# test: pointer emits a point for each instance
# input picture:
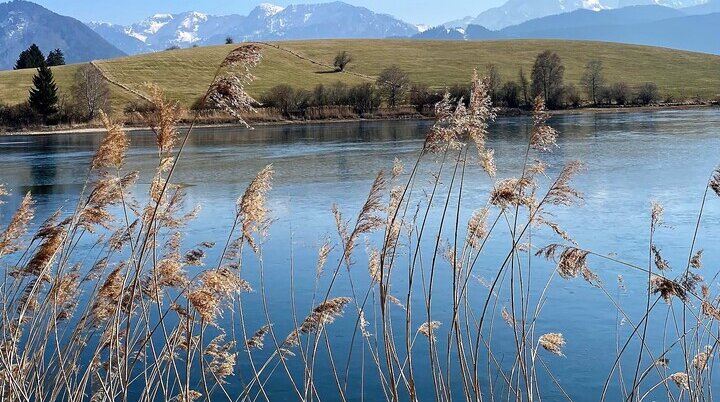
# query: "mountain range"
(336, 20)
(642, 25)
(515, 12)
(23, 23)
(681, 24)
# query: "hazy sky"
(127, 11)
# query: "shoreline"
(85, 129)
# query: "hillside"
(23, 23)
(184, 74)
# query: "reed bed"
(105, 301)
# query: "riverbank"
(507, 113)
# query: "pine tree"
(32, 57)
(56, 58)
(43, 95)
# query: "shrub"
(620, 93)
(364, 98)
(421, 96)
(510, 94)
(342, 59)
(648, 93)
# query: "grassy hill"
(185, 74)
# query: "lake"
(631, 159)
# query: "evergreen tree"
(32, 57)
(56, 58)
(43, 95)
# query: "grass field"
(184, 74)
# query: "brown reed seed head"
(710, 310)
(661, 263)
(700, 360)
(228, 91)
(252, 208)
(456, 124)
(114, 145)
(223, 360)
(163, 120)
(428, 328)
(561, 192)
(45, 254)
(553, 343)
(542, 136)
(681, 380)
(325, 313)
(656, 213)
(206, 303)
(513, 192)
(662, 362)
(667, 288)
(323, 255)
(696, 260)
(715, 181)
(256, 341)
(18, 226)
(477, 228)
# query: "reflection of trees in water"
(43, 166)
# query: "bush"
(364, 98)
(421, 96)
(288, 100)
(620, 93)
(18, 116)
(572, 97)
(510, 94)
(647, 94)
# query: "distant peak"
(270, 9)
(162, 17)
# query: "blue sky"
(126, 11)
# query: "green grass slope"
(184, 74)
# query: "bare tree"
(547, 78)
(593, 79)
(494, 81)
(393, 83)
(524, 87)
(342, 59)
(91, 91)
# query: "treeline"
(394, 88)
(88, 94)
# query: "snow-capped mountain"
(265, 22)
(666, 3)
(23, 23)
(515, 12)
(518, 11)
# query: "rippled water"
(631, 159)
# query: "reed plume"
(542, 136)
(252, 206)
(322, 315)
(17, 227)
(553, 343)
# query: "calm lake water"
(631, 159)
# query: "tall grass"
(103, 302)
